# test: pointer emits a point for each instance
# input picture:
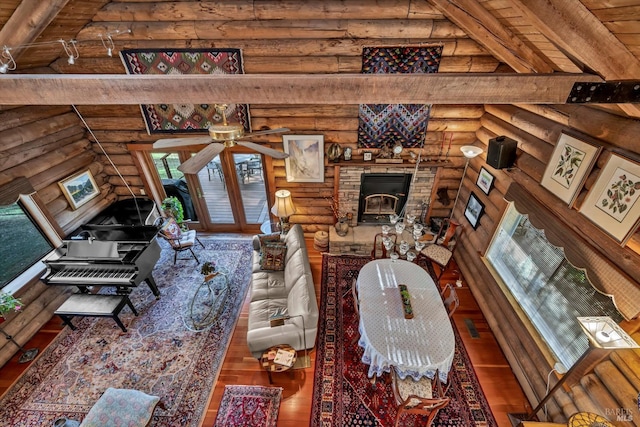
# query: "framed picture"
(79, 188)
(306, 158)
(568, 167)
(474, 210)
(367, 156)
(612, 203)
(485, 180)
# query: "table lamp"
(283, 208)
(469, 152)
(604, 334)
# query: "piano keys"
(118, 248)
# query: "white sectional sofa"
(290, 291)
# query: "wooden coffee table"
(268, 363)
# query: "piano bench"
(94, 305)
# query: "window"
(23, 243)
(548, 289)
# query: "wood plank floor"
(239, 367)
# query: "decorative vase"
(342, 227)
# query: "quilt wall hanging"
(383, 124)
(169, 118)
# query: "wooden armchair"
(441, 251)
(424, 397)
(178, 239)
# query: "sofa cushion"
(273, 256)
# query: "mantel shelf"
(362, 163)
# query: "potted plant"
(172, 207)
(208, 269)
(406, 301)
(9, 303)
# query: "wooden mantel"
(438, 88)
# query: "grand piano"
(118, 247)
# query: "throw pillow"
(171, 229)
(273, 255)
(121, 408)
(269, 238)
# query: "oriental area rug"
(249, 406)
(342, 392)
(383, 124)
(160, 354)
(168, 118)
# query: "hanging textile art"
(170, 118)
(384, 124)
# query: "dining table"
(416, 347)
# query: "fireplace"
(382, 194)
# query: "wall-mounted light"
(107, 40)
(7, 63)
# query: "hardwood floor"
(239, 367)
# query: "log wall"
(45, 145)
(612, 387)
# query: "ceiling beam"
(27, 22)
(437, 88)
(485, 29)
(571, 26)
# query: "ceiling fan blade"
(264, 150)
(181, 142)
(200, 159)
(266, 132)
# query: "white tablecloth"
(416, 347)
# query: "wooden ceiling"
(558, 39)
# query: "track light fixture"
(7, 63)
(71, 49)
(107, 40)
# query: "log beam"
(99, 89)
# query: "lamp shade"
(283, 207)
(470, 151)
(603, 332)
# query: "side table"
(267, 360)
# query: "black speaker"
(502, 152)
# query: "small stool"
(94, 305)
(321, 241)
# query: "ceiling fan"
(220, 137)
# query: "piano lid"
(92, 249)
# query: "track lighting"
(71, 49)
(7, 63)
(108, 44)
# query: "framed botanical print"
(474, 210)
(485, 180)
(612, 203)
(79, 189)
(570, 163)
(306, 158)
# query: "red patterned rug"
(342, 393)
(160, 354)
(249, 406)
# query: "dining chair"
(356, 308)
(379, 251)
(423, 397)
(441, 251)
(450, 298)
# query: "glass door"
(233, 192)
(229, 194)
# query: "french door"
(229, 194)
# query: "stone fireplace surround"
(359, 240)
